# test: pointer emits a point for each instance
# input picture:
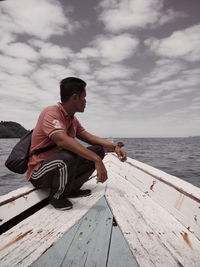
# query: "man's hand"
(101, 171)
(121, 153)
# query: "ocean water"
(177, 156)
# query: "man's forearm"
(66, 142)
(72, 145)
(92, 139)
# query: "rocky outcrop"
(10, 129)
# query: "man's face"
(81, 102)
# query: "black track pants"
(64, 172)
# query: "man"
(68, 165)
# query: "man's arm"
(92, 139)
(64, 141)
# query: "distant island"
(10, 129)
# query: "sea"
(177, 156)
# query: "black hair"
(70, 86)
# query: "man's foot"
(61, 204)
(80, 193)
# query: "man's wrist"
(97, 159)
(115, 146)
(118, 145)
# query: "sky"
(139, 58)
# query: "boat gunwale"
(16, 197)
(173, 185)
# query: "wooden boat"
(140, 217)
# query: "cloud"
(80, 66)
(183, 81)
(16, 65)
(6, 38)
(170, 85)
(26, 95)
(20, 50)
(41, 20)
(163, 70)
(181, 44)
(52, 51)
(114, 72)
(88, 52)
(118, 16)
(195, 71)
(58, 71)
(48, 76)
(45, 79)
(170, 15)
(21, 99)
(17, 87)
(109, 49)
(115, 48)
(33, 60)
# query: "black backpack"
(19, 156)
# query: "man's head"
(73, 89)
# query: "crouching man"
(68, 164)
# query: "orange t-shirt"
(52, 119)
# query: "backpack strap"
(41, 150)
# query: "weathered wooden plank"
(175, 199)
(155, 237)
(25, 242)
(163, 176)
(17, 201)
(15, 193)
(55, 255)
(20, 200)
(120, 253)
(89, 241)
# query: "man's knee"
(70, 158)
(98, 149)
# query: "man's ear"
(74, 97)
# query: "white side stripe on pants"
(62, 174)
(47, 167)
(63, 181)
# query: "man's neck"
(67, 107)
